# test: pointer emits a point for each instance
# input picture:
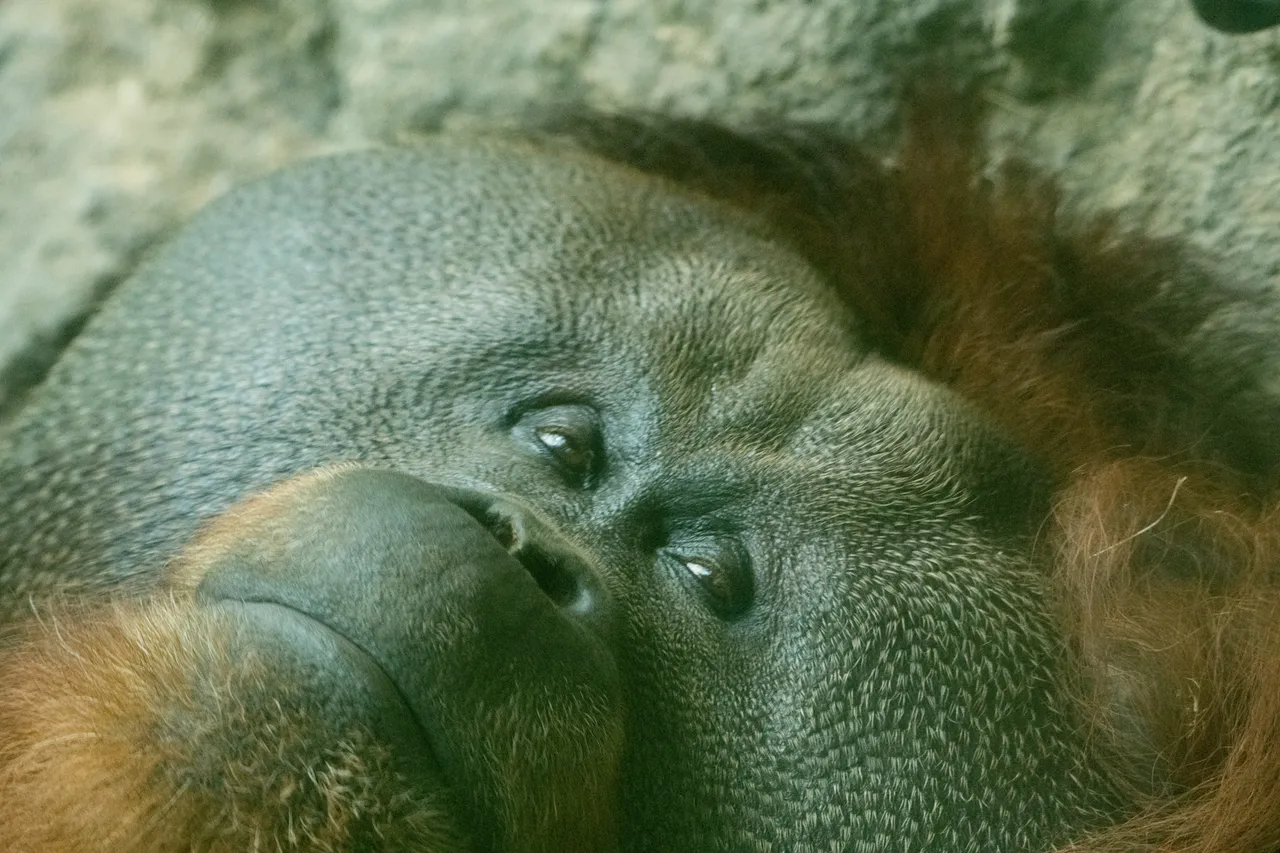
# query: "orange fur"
(102, 710)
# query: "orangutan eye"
(724, 582)
(570, 453)
(570, 437)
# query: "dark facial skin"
(649, 523)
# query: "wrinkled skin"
(643, 548)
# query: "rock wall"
(118, 118)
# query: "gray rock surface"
(118, 118)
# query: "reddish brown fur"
(115, 679)
(1162, 547)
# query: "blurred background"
(118, 118)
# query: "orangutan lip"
(312, 639)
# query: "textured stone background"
(119, 117)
